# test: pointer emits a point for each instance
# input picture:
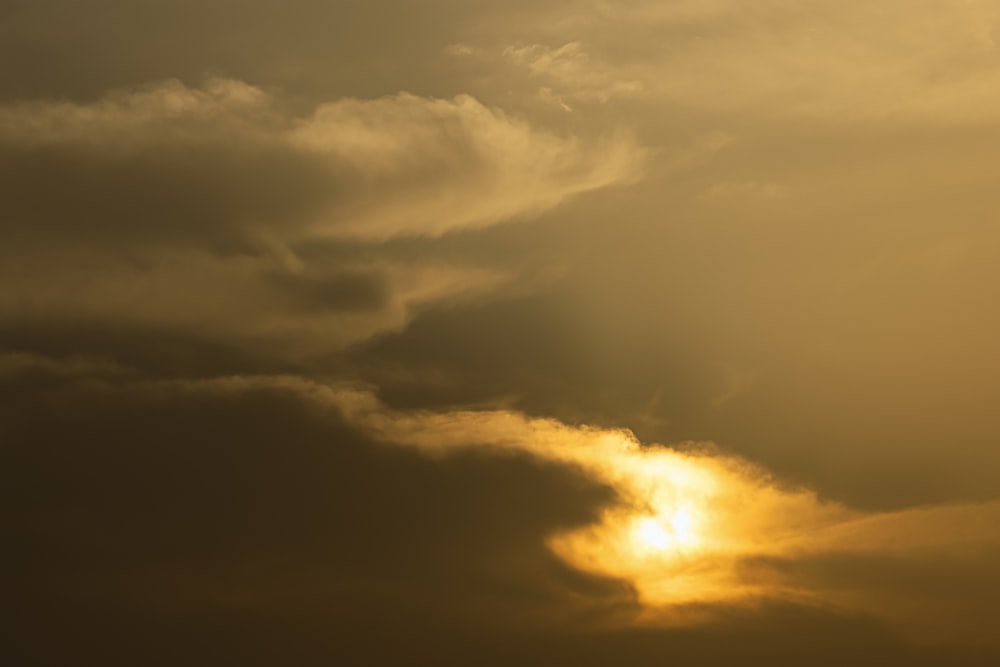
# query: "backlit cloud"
(693, 528)
(227, 158)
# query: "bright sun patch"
(651, 536)
(690, 528)
(659, 533)
(686, 521)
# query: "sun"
(652, 536)
(671, 530)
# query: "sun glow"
(651, 535)
(686, 522)
(690, 526)
(672, 531)
(689, 529)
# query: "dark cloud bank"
(155, 522)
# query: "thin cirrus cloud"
(820, 61)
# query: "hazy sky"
(564, 332)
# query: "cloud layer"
(197, 204)
(171, 160)
(671, 536)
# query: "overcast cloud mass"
(565, 332)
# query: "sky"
(563, 332)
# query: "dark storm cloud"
(236, 522)
(172, 501)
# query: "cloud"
(157, 508)
(826, 60)
(171, 161)
(693, 530)
(691, 523)
(455, 164)
(689, 516)
(569, 70)
(166, 164)
(200, 205)
(298, 311)
(172, 502)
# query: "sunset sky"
(455, 332)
